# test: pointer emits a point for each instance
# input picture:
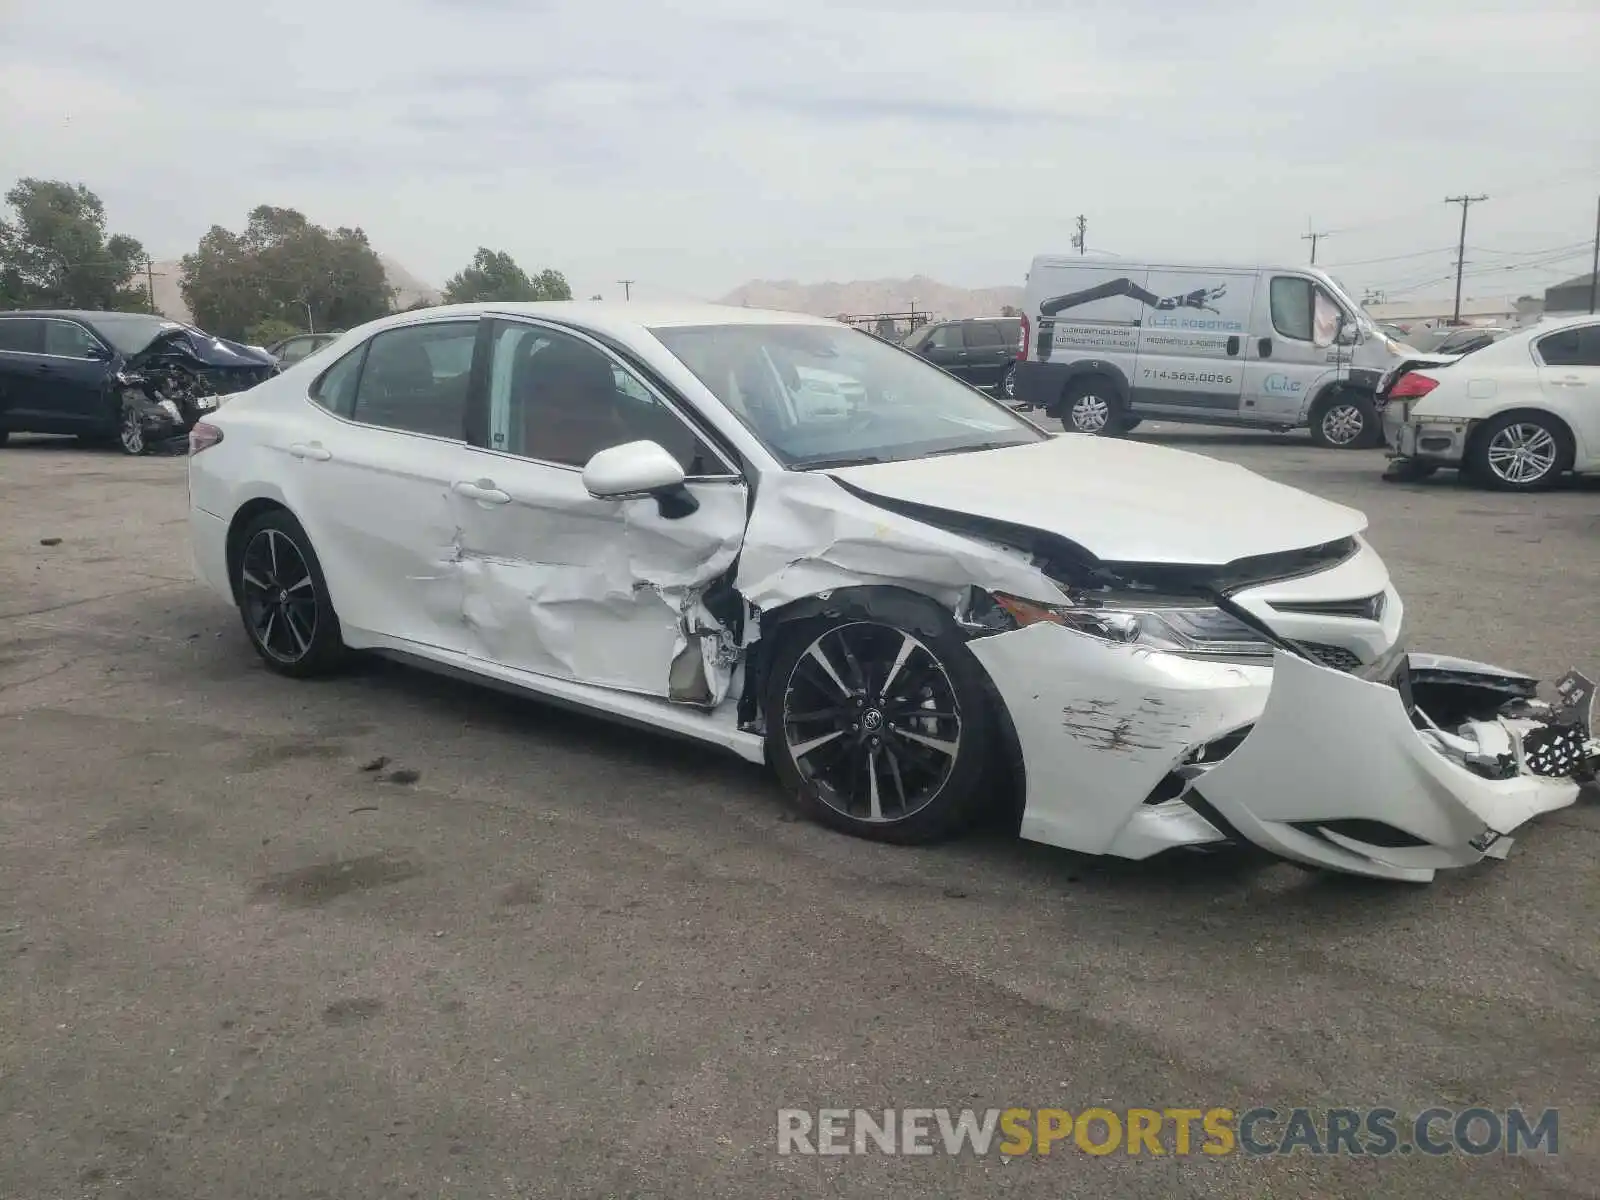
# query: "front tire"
(878, 721)
(1520, 452)
(1346, 420)
(130, 432)
(1092, 406)
(283, 598)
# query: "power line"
(1466, 202)
(1365, 262)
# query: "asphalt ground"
(534, 954)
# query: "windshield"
(816, 395)
(130, 333)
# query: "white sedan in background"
(910, 601)
(1517, 414)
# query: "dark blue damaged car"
(133, 379)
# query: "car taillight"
(1411, 385)
(203, 436)
(1022, 350)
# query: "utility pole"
(150, 281)
(627, 288)
(1466, 202)
(1313, 238)
(1078, 238)
(1594, 273)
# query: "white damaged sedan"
(907, 599)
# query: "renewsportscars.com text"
(1178, 1132)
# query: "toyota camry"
(908, 600)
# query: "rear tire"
(283, 599)
(1007, 387)
(1092, 406)
(878, 721)
(1346, 420)
(1520, 452)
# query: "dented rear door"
(604, 592)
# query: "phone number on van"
(1186, 376)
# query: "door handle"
(1233, 345)
(312, 450)
(1264, 348)
(484, 491)
(1569, 381)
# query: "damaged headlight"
(1182, 628)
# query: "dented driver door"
(611, 593)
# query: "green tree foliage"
(493, 275)
(55, 252)
(283, 268)
(264, 333)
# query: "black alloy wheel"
(879, 730)
(283, 598)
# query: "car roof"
(621, 318)
(81, 314)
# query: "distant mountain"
(169, 293)
(875, 296)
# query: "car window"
(559, 399)
(985, 335)
(1291, 299)
(22, 335)
(821, 394)
(296, 348)
(946, 337)
(69, 339)
(335, 388)
(415, 379)
(1578, 347)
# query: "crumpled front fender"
(1336, 774)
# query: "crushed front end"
(1302, 727)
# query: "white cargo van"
(1109, 342)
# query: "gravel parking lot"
(391, 936)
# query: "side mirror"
(636, 469)
(98, 352)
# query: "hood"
(1121, 501)
(205, 349)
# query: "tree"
(494, 275)
(56, 254)
(282, 268)
(264, 333)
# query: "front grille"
(1336, 657)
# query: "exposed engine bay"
(180, 376)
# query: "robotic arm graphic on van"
(1200, 298)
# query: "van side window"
(1291, 306)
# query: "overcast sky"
(692, 146)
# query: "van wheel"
(1092, 406)
(1346, 420)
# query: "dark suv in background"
(980, 350)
